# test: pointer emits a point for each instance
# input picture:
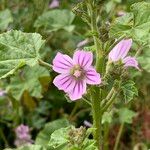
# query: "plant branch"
(87, 101)
(110, 102)
(41, 62)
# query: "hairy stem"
(110, 102)
(96, 112)
(96, 94)
(106, 135)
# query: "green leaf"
(17, 49)
(144, 59)
(89, 144)
(107, 117)
(54, 20)
(135, 24)
(5, 19)
(44, 136)
(59, 138)
(126, 115)
(129, 90)
(28, 80)
(71, 138)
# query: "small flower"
(23, 136)
(54, 4)
(75, 73)
(82, 43)
(87, 123)
(120, 51)
(2, 92)
(121, 13)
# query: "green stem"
(87, 101)
(106, 134)
(97, 117)
(41, 62)
(74, 110)
(108, 97)
(97, 42)
(96, 94)
(118, 136)
(110, 102)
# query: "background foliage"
(31, 31)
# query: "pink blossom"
(83, 43)
(54, 4)
(87, 123)
(2, 92)
(22, 135)
(121, 13)
(120, 51)
(75, 73)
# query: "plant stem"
(108, 97)
(73, 110)
(118, 136)
(87, 101)
(96, 94)
(97, 117)
(41, 62)
(110, 102)
(97, 42)
(106, 134)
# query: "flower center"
(77, 72)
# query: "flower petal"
(64, 82)
(83, 58)
(78, 90)
(54, 4)
(92, 77)
(120, 50)
(130, 62)
(62, 63)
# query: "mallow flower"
(120, 51)
(75, 73)
(2, 92)
(82, 43)
(23, 136)
(54, 4)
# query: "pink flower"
(121, 13)
(75, 73)
(23, 136)
(2, 92)
(54, 4)
(83, 43)
(120, 51)
(22, 131)
(87, 123)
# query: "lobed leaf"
(54, 20)
(126, 115)
(135, 24)
(17, 49)
(44, 136)
(129, 91)
(28, 80)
